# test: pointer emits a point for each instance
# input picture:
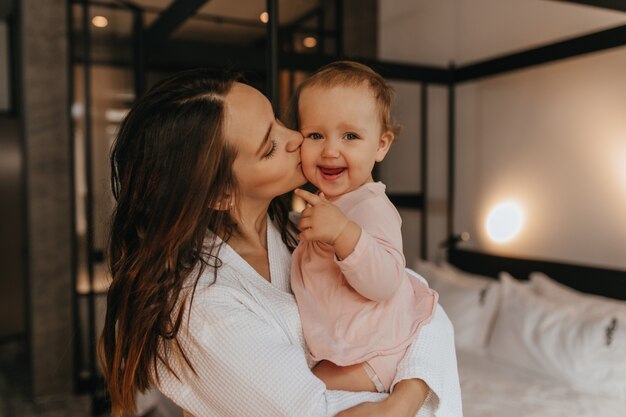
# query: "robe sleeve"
(432, 358)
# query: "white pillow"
(471, 302)
(596, 304)
(580, 349)
(448, 272)
(466, 277)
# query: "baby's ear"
(384, 143)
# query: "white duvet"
(492, 389)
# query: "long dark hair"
(170, 172)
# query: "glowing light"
(77, 110)
(265, 17)
(115, 115)
(309, 42)
(100, 21)
(505, 221)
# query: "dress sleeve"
(244, 367)
(375, 268)
(432, 358)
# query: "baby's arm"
(344, 378)
(368, 245)
(375, 268)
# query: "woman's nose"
(294, 140)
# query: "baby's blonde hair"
(347, 74)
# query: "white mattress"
(492, 389)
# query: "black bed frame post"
(339, 28)
(321, 31)
(91, 309)
(74, 239)
(424, 169)
(271, 54)
(451, 149)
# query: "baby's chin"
(330, 195)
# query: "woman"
(200, 304)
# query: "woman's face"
(268, 154)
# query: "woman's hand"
(405, 401)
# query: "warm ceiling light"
(309, 42)
(265, 17)
(100, 21)
(505, 221)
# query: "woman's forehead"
(248, 115)
(246, 98)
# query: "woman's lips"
(331, 173)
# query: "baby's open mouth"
(331, 173)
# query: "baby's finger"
(322, 195)
(307, 212)
(305, 235)
(304, 223)
(310, 198)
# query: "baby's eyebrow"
(347, 126)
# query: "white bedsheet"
(491, 389)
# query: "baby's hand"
(320, 220)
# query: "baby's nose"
(331, 150)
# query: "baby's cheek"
(307, 156)
(309, 171)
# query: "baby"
(360, 310)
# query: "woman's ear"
(384, 143)
(224, 204)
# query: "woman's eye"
(272, 150)
(314, 136)
(351, 136)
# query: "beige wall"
(552, 137)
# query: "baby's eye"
(351, 136)
(314, 136)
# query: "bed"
(531, 345)
(492, 389)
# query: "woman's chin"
(299, 183)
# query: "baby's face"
(343, 137)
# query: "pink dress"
(364, 308)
